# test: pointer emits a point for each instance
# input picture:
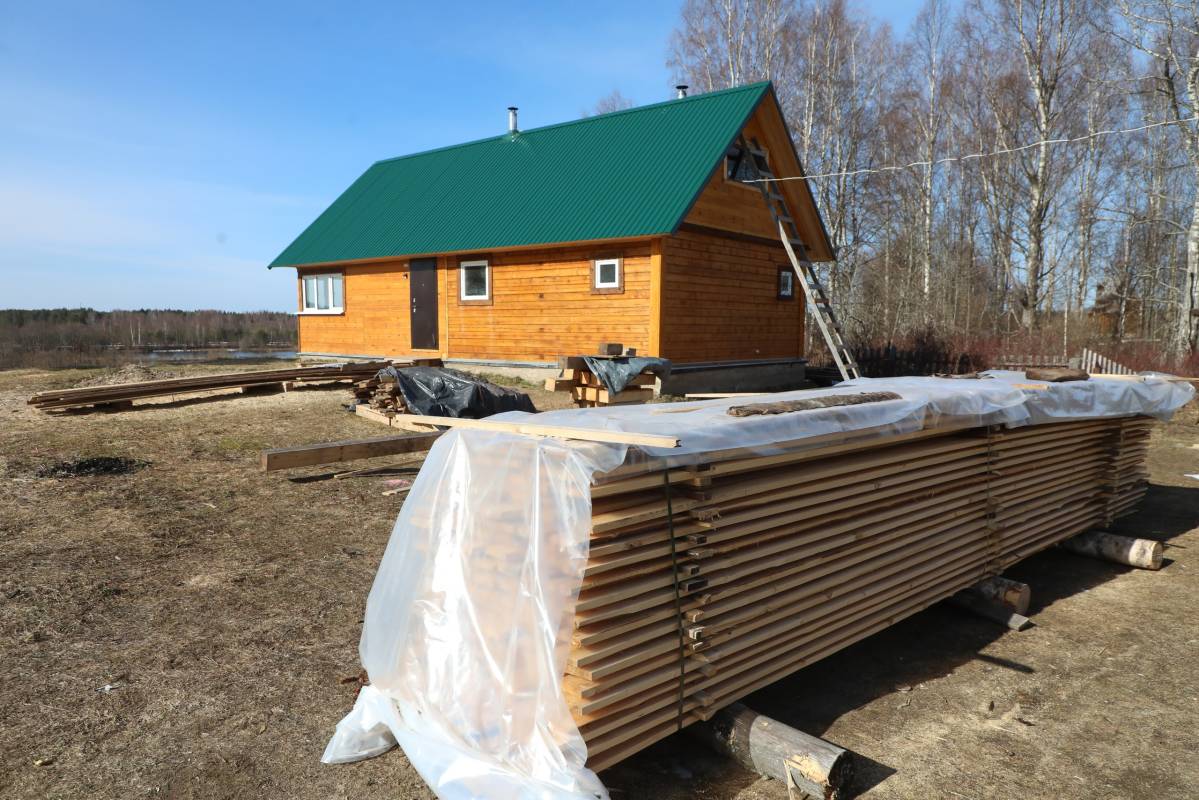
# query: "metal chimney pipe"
(682, 90)
(512, 119)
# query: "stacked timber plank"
(709, 581)
(588, 391)
(122, 395)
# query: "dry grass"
(222, 608)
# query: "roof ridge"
(759, 85)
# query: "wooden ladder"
(814, 293)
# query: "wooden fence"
(1095, 362)
(890, 362)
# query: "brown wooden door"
(423, 288)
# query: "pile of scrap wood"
(719, 578)
(121, 395)
(588, 391)
(381, 393)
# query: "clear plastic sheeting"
(1152, 394)
(468, 622)
(467, 627)
(704, 426)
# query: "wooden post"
(770, 748)
(1143, 553)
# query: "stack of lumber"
(381, 394)
(122, 395)
(588, 391)
(1130, 475)
(709, 581)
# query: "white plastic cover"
(467, 624)
(1151, 393)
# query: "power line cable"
(951, 159)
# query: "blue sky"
(161, 154)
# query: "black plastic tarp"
(440, 392)
(615, 373)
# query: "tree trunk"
(1184, 332)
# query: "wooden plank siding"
(376, 318)
(720, 301)
(542, 306)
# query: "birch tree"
(1166, 33)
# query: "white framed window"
(323, 294)
(474, 280)
(786, 287)
(607, 273)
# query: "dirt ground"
(190, 629)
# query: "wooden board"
(780, 560)
(349, 450)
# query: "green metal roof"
(629, 173)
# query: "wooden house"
(636, 226)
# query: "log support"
(1004, 591)
(988, 609)
(997, 599)
(807, 765)
(1142, 553)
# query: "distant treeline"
(28, 332)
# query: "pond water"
(217, 355)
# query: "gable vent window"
(474, 280)
(323, 294)
(739, 166)
(607, 275)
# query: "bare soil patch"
(129, 373)
(190, 629)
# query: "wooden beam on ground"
(534, 429)
(770, 748)
(308, 455)
(121, 395)
(1142, 553)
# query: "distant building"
(1105, 313)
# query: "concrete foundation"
(736, 376)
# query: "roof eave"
(475, 251)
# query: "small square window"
(322, 294)
(786, 284)
(474, 280)
(607, 273)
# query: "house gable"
(733, 207)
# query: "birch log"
(1143, 553)
(778, 751)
